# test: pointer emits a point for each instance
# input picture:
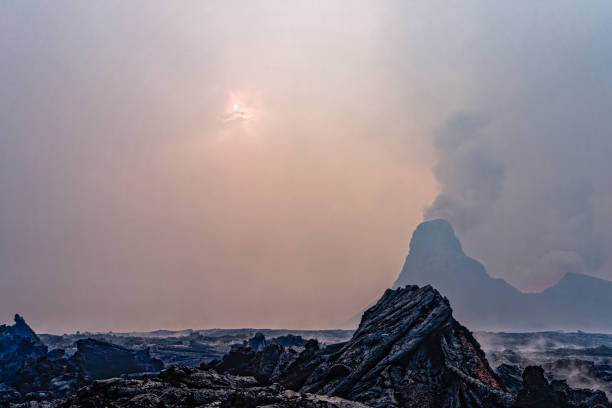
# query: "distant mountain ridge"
(576, 302)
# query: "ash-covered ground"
(193, 347)
(583, 359)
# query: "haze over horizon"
(264, 164)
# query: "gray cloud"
(541, 174)
(471, 178)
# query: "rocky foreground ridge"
(192, 387)
(408, 351)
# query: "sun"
(238, 109)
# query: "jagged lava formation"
(17, 344)
(29, 371)
(537, 392)
(407, 352)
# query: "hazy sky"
(263, 164)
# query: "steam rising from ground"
(582, 359)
